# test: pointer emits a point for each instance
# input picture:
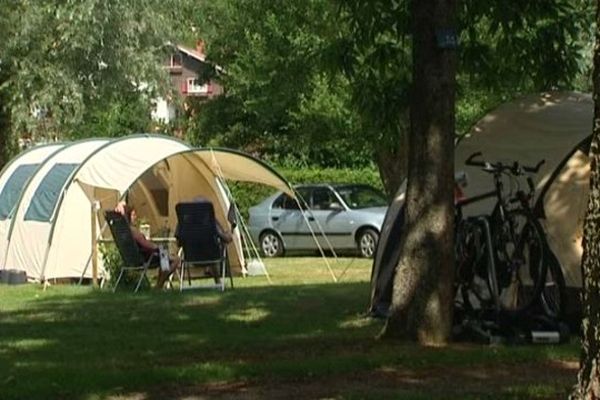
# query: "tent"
(52, 197)
(551, 126)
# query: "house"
(185, 66)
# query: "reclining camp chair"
(133, 260)
(200, 243)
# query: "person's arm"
(120, 207)
(226, 236)
(177, 235)
(141, 240)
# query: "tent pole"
(95, 205)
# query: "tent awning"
(237, 166)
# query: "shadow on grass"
(87, 344)
(79, 342)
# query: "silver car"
(349, 216)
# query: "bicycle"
(503, 259)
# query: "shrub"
(112, 264)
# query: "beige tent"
(58, 205)
(552, 126)
(13, 178)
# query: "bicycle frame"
(502, 262)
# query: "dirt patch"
(552, 380)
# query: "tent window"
(14, 187)
(46, 196)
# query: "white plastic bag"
(163, 253)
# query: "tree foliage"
(280, 100)
(328, 82)
(508, 47)
(525, 46)
(66, 60)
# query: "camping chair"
(128, 249)
(200, 243)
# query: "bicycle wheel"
(520, 267)
(553, 295)
(473, 279)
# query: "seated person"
(225, 235)
(147, 247)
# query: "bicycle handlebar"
(515, 168)
(533, 169)
(471, 162)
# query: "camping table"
(168, 241)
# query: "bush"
(112, 264)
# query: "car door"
(288, 219)
(331, 217)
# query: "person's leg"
(163, 276)
(214, 268)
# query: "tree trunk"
(422, 295)
(6, 144)
(588, 379)
(392, 166)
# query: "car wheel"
(271, 245)
(367, 243)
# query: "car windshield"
(361, 196)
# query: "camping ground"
(304, 336)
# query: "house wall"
(187, 67)
(190, 68)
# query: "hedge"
(246, 195)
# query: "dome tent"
(50, 235)
(552, 126)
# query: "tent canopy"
(50, 232)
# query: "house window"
(195, 87)
(174, 61)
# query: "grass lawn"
(303, 337)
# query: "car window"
(304, 194)
(285, 202)
(322, 199)
(362, 196)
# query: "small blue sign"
(446, 38)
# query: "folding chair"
(128, 249)
(200, 243)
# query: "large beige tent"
(554, 127)
(52, 197)
(550, 127)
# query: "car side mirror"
(335, 206)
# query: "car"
(338, 216)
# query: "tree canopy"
(62, 62)
(329, 82)
(316, 82)
(281, 101)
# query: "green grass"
(77, 342)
